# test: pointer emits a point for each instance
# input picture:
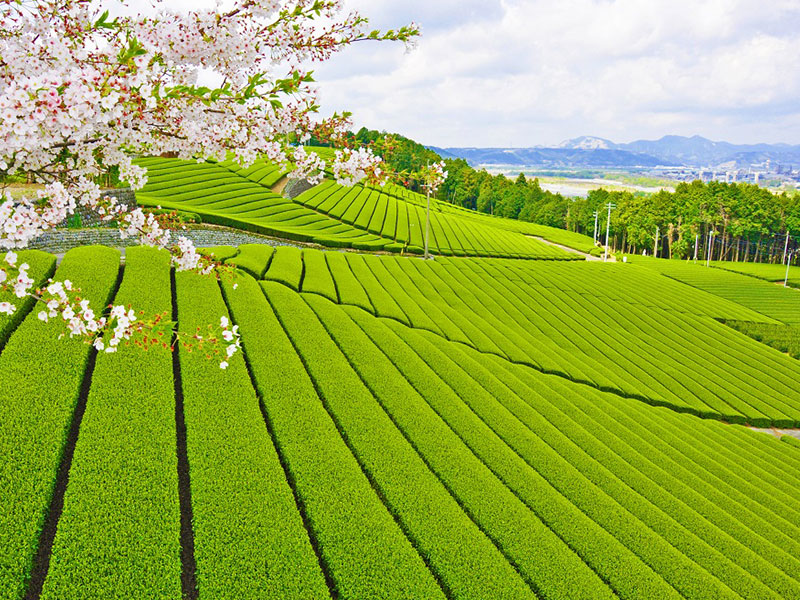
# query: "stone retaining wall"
(58, 241)
(89, 218)
(295, 187)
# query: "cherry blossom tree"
(82, 92)
(433, 176)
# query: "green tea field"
(464, 428)
(298, 303)
(331, 215)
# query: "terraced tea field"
(463, 428)
(330, 215)
(762, 296)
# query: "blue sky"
(530, 72)
(521, 73)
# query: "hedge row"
(369, 218)
(616, 564)
(42, 378)
(348, 288)
(522, 312)
(534, 436)
(286, 267)
(383, 302)
(761, 296)
(666, 483)
(707, 543)
(120, 528)
(249, 538)
(225, 194)
(405, 298)
(682, 359)
(749, 576)
(785, 338)
(317, 278)
(457, 551)
(221, 253)
(365, 552)
(253, 258)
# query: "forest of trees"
(738, 221)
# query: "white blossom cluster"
(230, 334)
(434, 176)
(352, 166)
(16, 278)
(308, 166)
(106, 333)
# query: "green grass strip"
(318, 279)
(363, 549)
(545, 560)
(253, 258)
(530, 427)
(349, 290)
(41, 378)
(286, 267)
(675, 487)
(607, 510)
(383, 302)
(222, 253)
(621, 568)
(120, 528)
(249, 538)
(408, 302)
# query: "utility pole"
(610, 205)
(710, 248)
(655, 247)
(785, 247)
(427, 218)
(596, 214)
(427, 221)
(696, 243)
(788, 264)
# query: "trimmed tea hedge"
(365, 551)
(120, 527)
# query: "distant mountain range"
(670, 150)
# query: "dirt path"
(280, 185)
(795, 433)
(571, 250)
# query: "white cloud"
(526, 72)
(530, 72)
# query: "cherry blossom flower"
(82, 92)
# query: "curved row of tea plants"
(451, 234)
(571, 239)
(770, 272)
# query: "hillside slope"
(328, 214)
(353, 453)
